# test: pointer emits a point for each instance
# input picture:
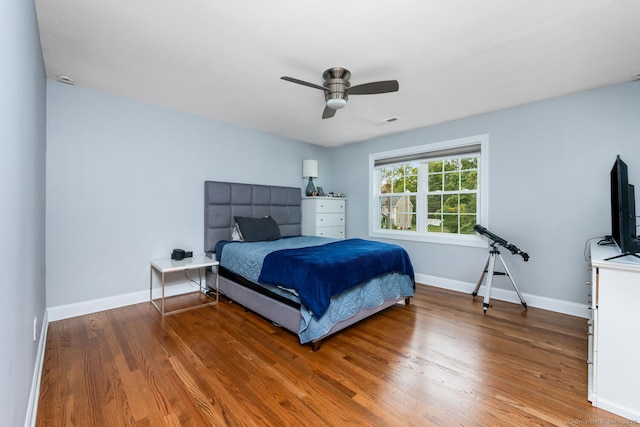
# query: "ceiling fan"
(337, 88)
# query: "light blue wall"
(548, 185)
(22, 204)
(125, 185)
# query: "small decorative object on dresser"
(323, 216)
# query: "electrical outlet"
(35, 328)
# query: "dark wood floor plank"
(436, 361)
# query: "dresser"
(324, 216)
(614, 345)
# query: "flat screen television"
(623, 211)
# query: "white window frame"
(475, 240)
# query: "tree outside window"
(452, 187)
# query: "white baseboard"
(559, 306)
(632, 415)
(93, 306)
(32, 407)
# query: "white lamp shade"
(309, 168)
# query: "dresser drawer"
(329, 220)
(329, 206)
(334, 232)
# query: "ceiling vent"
(65, 79)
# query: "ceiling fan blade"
(328, 113)
(303, 83)
(374, 87)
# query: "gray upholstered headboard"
(224, 200)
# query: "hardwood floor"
(438, 361)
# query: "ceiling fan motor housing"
(336, 80)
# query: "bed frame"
(223, 201)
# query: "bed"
(296, 305)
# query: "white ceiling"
(453, 58)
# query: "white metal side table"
(166, 265)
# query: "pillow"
(258, 229)
(236, 236)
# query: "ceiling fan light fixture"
(336, 103)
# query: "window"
(434, 192)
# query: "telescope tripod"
(491, 263)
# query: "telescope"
(500, 241)
(489, 266)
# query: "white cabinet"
(324, 216)
(614, 346)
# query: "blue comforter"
(317, 273)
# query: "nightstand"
(201, 297)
